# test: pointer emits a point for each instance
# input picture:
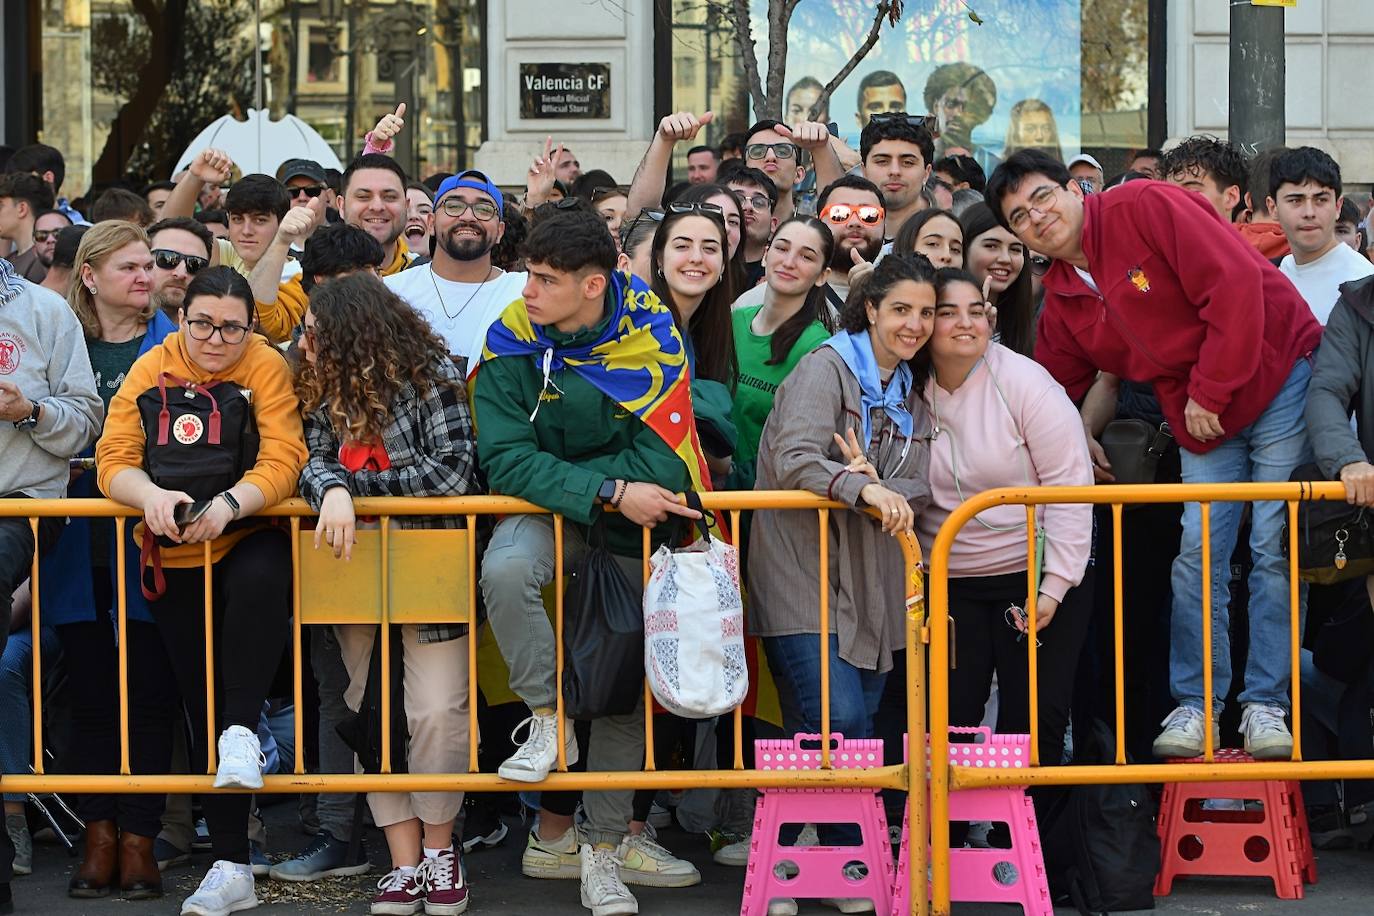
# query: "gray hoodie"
(43, 353)
(1343, 380)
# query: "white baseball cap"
(1084, 157)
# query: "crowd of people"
(930, 331)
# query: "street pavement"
(1345, 886)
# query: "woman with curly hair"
(386, 415)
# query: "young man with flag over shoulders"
(582, 401)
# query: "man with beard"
(419, 232)
(181, 249)
(759, 196)
(461, 292)
(963, 97)
(45, 229)
(59, 278)
(897, 152)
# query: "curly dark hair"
(368, 344)
(508, 254)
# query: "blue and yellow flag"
(639, 362)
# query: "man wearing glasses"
(305, 180)
(461, 292)
(760, 198)
(181, 249)
(1150, 284)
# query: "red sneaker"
(445, 893)
(400, 894)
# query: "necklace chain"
(444, 305)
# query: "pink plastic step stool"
(819, 870)
(971, 871)
(1271, 842)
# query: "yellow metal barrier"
(945, 777)
(327, 594)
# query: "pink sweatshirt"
(982, 435)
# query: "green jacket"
(578, 438)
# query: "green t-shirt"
(758, 384)
(110, 362)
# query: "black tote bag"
(603, 636)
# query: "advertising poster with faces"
(1008, 84)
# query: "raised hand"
(299, 222)
(212, 166)
(389, 126)
(862, 267)
(539, 180)
(683, 125)
(809, 135)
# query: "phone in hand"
(186, 514)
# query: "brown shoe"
(139, 878)
(97, 871)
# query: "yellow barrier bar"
(824, 520)
(211, 733)
(473, 737)
(558, 641)
(744, 628)
(37, 637)
(648, 694)
(1208, 726)
(917, 822)
(122, 638)
(297, 689)
(1032, 637)
(1118, 634)
(1294, 637)
(384, 634)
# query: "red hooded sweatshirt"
(1185, 304)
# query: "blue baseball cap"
(475, 180)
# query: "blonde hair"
(97, 244)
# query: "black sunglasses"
(601, 194)
(643, 216)
(1039, 264)
(708, 209)
(312, 191)
(929, 123)
(167, 259)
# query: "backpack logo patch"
(188, 429)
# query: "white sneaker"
(854, 872)
(227, 888)
(1182, 735)
(643, 861)
(240, 760)
(553, 858)
(1266, 735)
(736, 854)
(659, 816)
(602, 890)
(539, 751)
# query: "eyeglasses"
(643, 216)
(1039, 264)
(42, 235)
(601, 194)
(929, 123)
(839, 214)
(1041, 199)
(482, 210)
(167, 259)
(707, 209)
(230, 333)
(1019, 620)
(780, 150)
(759, 202)
(311, 191)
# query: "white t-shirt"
(1319, 281)
(1088, 279)
(459, 312)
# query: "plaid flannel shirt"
(431, 444)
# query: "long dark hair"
(874, 288)
(944, 278)
(711, 330)
(702, 194)
(1016, 304)
(815, 308)
(905, 242)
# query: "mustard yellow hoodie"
(281, 453)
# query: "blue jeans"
(1267, 450)
(16, 710)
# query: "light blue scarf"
(857, 352)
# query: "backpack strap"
(151, 555)
(164, 418)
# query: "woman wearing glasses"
(1002, 421)
(111, 295)
(212, 410)
(997, 261)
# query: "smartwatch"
(607, 491)
(31, 420)
(232, 503)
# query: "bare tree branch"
(884, 11)
(746, 47)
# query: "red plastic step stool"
(1273, 842)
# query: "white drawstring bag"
(694, 628)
